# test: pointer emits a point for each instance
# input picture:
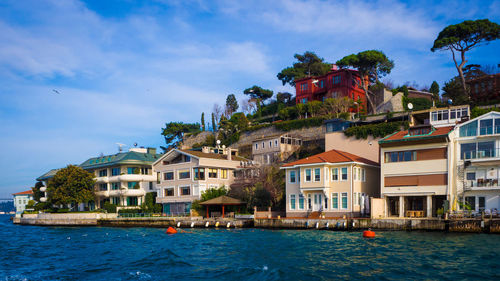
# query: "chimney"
(229, 156)
(205, 149)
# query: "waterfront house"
(124, 178)
(21, 199)
(478, 157)
(184, 174)
(332, 183)
(277, 148)
(417, 171)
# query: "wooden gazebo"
(222, 201)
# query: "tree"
(313, 107)
(463, 37)
(149, 205)
(453, 90)
(231, 105)
(371, 64)
(174, 132)
(37, 194)
(214, 126)
(309, 64)
(284, 97)
(218, 111)
(435, 90)
(259, 94)
(203, 121)
(71, 185)
(212, 193)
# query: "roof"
(48, 175)
(354, 71)
(402, 136)
(27, 192)
(130, 157)
(223, 200)
(332, 156)
(200, 154)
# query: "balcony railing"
(482, 183)
(481, 154)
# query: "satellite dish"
(450, 101)
(218, 142)
(410, 106)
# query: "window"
(270, 144)
(150, 185)
(103, 187)
(356, 198)
(199, 174)
(344, 200)
(335, 174)
(317, 175)
(262, 145)
(145, 171)
(304, 100)
(363, 174)
(420, 131)
(481, 202)
(115, 185)
(335, 200)
(212, 173)
(292, 201)
(184, 174)
(132, 170)
(301, 202)
(469, 130)
(471, 201)
(355, 173)
(275, 143)
(336, 79)
(344, 173)
(133, 185)
(223, 173)
(471, 176)
(132, 201)
(115, 200)
(256, 146)
(303, 87)
(308, 175)
(103, 173)
(169, 192)
(400, 156)
(115, 171)
(440, 115)
(185, 190)
(486, 127)
(322, 83)
(168, 176)
(309, 201)
(292, 176)
(467, 150)
(326, 202)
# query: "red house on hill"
(337, 83)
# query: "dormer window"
(418, 131)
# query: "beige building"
(417, 171)
(274, 149)
(332, 183)
(184, 174)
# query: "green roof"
(130, 157)
(48, 175)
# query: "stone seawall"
(175, 222)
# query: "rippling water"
(101, 253)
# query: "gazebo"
(222, 201)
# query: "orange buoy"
(368, 234)
(171, 230)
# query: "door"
(318, 201)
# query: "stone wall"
(190, 140)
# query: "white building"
(478, 157)
(21, 199)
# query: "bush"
(109, 207)
(299, 124)
(376, 130)
(418, 103)
(129, 211)
(62, 210)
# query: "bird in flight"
(56, 91)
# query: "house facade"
(332, 183)
(485, 89)
(417, 171)
(273, 149)
(338, 83)
(124, 178)
(478, 157)
(21, 199)
(184, 174)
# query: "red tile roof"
(403, 135)
(27, 192)
(332, 156)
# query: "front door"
(318, 201)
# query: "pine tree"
(203, 121)
(435, 90)
(214, 126)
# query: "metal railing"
(150, 215)
(481, 183)
(481, 154)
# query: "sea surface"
(102, 253)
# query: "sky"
(77, 77)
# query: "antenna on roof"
(120, 146)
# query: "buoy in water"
(192, 224)
(171, 230)
(317, 225)
(368, 234)
(327, 225)
(217, 224)
(228, 225)
(179, 224)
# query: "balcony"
(482, 184)
(482, 155)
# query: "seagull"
(56, 91)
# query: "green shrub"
(62, 210)
(110, 207)
(376, 130)
(476, 111)
(257, 127)
(129, 211)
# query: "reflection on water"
(63, 253)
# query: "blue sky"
(124, 68)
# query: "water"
(101, 253)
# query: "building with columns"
(418, 171)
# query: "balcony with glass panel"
(479, 151)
